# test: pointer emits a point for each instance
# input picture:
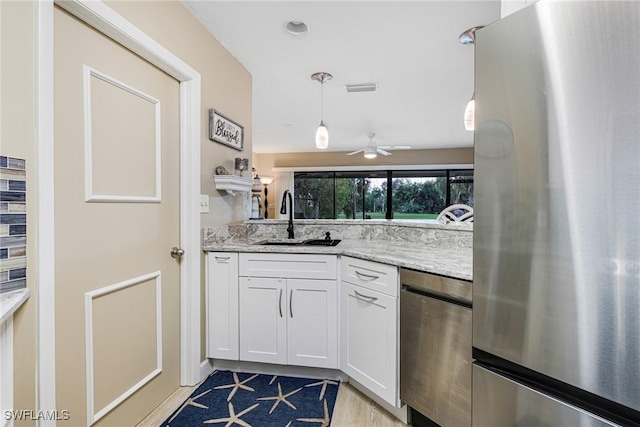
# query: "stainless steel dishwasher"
(435, 348)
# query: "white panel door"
(312, 324)
(117, 216)
(369, 339)
(222, 306)
(263, 325)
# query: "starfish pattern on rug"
(190, 402)
(325, 420)
(281, 398)
(233, 418)
(252, 400)
(237, 385)
(324, 384)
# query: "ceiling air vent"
(362, 87)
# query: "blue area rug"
(256, 400)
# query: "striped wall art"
(13, 224)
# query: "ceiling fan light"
(470, 114)
(370, 152)
(322, 137)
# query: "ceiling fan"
(371, 151)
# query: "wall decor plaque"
(225, 131)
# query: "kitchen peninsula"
(424, 246)
(276, 305)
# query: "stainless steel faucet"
(283, 210)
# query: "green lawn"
(397, 215)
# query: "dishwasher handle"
(457, 290)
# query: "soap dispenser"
(256, 191)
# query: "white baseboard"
(206, 368)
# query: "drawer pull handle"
(222, 258)
(291, 302)
(366, 276)
(364, 297)
(280, 303)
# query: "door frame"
(102, 18)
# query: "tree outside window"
(368, 195)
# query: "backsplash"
(429, 233)
(13, 224)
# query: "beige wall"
(226, 86)
(17, 139)
(264, 162)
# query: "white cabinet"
(312, 327)
(297, 266)
(286, 319)
(378, 277)
(369, 326)
(263, 325)
(222, 305)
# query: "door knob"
(176, 252)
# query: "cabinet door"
(369, 340)
(263, 325)
(312, 324)
(222, 305)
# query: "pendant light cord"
(321, 99)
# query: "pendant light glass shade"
(470, 114)
(322, 137)
(322, 134)
(469, 37)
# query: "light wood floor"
(352, 409)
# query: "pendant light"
(322, 134)
(469, 37)
(470, 114)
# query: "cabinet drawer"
(371, 275)
(298, 266)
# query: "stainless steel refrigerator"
(556, 291)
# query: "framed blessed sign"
(225, 131)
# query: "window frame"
(390, 174)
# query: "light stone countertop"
(451, 262)
(11, 301)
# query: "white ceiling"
(409, 48)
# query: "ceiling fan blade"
(355, 152)
(383, 152)
(395, 147)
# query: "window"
(380, 194)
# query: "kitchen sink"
(312, 242)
